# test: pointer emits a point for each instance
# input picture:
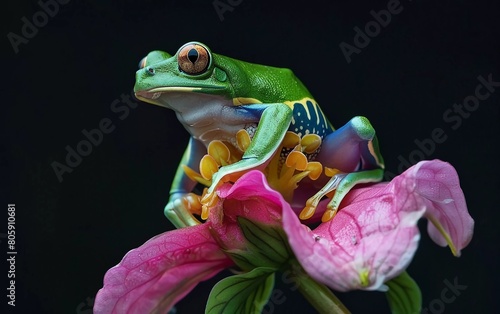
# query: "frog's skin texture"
(215, 96)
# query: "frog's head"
(196, 72)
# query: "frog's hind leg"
(349, 146)
(352, 154)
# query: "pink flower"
(156, 275)
(371, 240)
(374, 235)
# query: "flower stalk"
(317, 294)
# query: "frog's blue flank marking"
(308, 118)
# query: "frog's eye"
(142, 63)
(193, 58)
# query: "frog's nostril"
(150, 71)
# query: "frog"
(214, 97)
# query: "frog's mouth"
(154, 95)
(161, 96)
(181, 99)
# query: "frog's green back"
(263, 83)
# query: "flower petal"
(449, 221)
(153, 277)
(253, 186)
(363, 246)
(374, 236)
(249, 197)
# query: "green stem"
(318, 295)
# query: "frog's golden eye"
(142, 63)
(193, 58)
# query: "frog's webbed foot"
(180, 209)
(337, 188)
(326, 190)
(210, 197)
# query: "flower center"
(364, 277)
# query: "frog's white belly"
(209, 117)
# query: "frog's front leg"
(182, 204)
(354, 154)
(271, 130)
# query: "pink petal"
(374, 235)
(438, 185)
(359, 249)
(153, 277)
(250, 197)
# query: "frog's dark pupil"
(193, 55)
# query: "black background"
(66, 77)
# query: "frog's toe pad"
(328, 215)
(363, 128)
(207, 202)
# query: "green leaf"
(404, 295)
(244, 293)
(266, 245)
(244, 259)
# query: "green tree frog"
(215, 96)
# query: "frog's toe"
(331, 208)
(313, 201)
(346, 184)
(180, 210)
(208, 201)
